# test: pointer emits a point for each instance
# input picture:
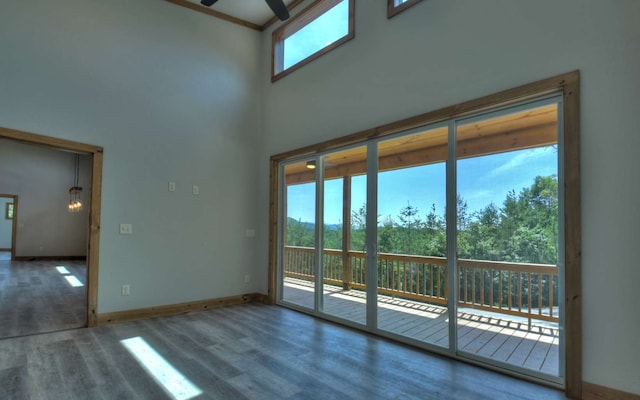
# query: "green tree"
(387, 236)
(409, 225)
(333, 236)
(434, 242)
(300, 233)
(358, 228)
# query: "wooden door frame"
(95, 197)
(14, 198)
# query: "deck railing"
(519, 289)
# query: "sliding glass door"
(446, 236)
(508, 242)
(298, 220)
(412, 239)
(344, 290)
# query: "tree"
(300, 233)
(358, 228)
(435, 237)
(333, 236)
(409, 224)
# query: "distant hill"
(311, 225)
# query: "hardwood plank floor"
(35, 297)
(249, 351)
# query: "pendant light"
(75, 203)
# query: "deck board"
(498, 337)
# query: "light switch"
(172, 186)
(196, 190)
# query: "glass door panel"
(344, 285)
(412, 241)
(299, 237)
(507, 239)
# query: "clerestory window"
(320, 28)
(396, 6)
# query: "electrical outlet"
(126, 229)
(126, 290)
(250, 232)
(247, 278)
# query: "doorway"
(9, 209)
(92, 201)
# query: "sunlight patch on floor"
(73, 281)
(62, 269)
(170, 379)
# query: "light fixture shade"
(75, 200)
(311, 164)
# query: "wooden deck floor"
(498, 337)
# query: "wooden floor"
(35, 297)
(497, 337)
(250, 351)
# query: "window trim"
(393, 10)
(302, 19)
(568, 85)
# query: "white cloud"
(526, 157)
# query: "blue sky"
(481, 180)
(317, 35)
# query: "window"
(320, 28)
(396, 6)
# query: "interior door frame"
(14, 198)
(95, 198)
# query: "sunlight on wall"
(172, 381)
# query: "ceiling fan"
(277, 6)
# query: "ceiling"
(256, 12)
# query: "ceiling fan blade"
(279, 9)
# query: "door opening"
(93, 202)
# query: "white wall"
(6, 225)
(443, 52)
(41, 177)
(171, 95)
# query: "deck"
(498, 337)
